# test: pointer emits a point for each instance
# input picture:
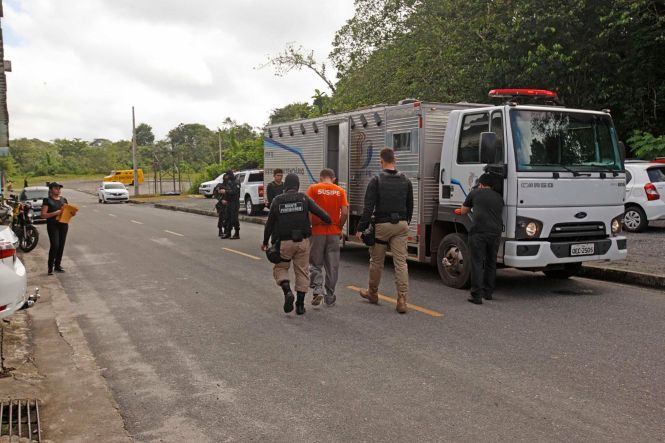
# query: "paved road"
(193, 343)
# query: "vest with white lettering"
(293, 216)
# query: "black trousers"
(484, 248)
(232, 218)
(221, 219)
(57, 235)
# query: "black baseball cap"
(55, 185)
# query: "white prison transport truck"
(560, 172)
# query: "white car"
(112, 192)
(645, 194)
(206, 188)
(13, 278)
(251, 190)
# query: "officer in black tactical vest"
(389, 198)
(289, 224)
(232, 199)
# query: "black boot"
(236, 236)
(475, 300)
(300, 303)
(288, 296)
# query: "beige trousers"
(298, 253)
(396, 236)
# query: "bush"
(645, 146)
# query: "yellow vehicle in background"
(125, 176)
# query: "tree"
(144, 135)
(293, 111)
(296, 58)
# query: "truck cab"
(560, 172)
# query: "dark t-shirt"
(273, 191)
(53, 205)
(487, 211)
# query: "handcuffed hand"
(264, 247)
(359, 235)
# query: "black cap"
(486, 180)
(54, 185)
(292, 182)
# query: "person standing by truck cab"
(57, 232)
(232, 201)
(484, 237)
(220, 206)
(289, 224)
(276, 187)
(324, 253)
(389, 198)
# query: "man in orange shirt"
(324, 243)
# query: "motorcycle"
(23, 227)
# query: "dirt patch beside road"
(53, 363)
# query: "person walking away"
(232, 201)
(389, 198)
(276, 187)
(57, 232)
(324, 243)
(220, 207)
(289, 224)
(484, 237)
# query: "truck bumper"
(539, 254)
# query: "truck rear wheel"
(569, 270)
(454, 261)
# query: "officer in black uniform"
(289, 224)
(220, 206)
(232, 199)
(484, 236)
(389, 198)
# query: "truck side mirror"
(487, 147)
(622, 152)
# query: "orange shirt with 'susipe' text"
(331, 198)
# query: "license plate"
(582, 249)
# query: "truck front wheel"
(454, 261)
(569, 270)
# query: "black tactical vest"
(293, 220)
(391, 201)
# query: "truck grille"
(578, 231)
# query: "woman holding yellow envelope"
(57, 213)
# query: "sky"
(79, 66)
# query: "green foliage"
(144, 135)
(293, 111)
(646, 146)
(594, 54)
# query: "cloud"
(78, 67)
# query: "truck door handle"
(441, 175)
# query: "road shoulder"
(77, 403)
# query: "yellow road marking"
(137, 222)
(174, 233)
(253, 257)
(394, 301)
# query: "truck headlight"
(617, 224)
(528, 228)
(531, 229)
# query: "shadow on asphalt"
(510, 283)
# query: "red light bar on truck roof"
(543, 93)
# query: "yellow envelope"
(68, 211)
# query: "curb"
(623, 276)
(241, 217)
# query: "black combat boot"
(236, 236)
(288, 296)
(300, 303)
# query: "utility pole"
(219, 138)
(136, 175)
(5, 66)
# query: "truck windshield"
(564, 141)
